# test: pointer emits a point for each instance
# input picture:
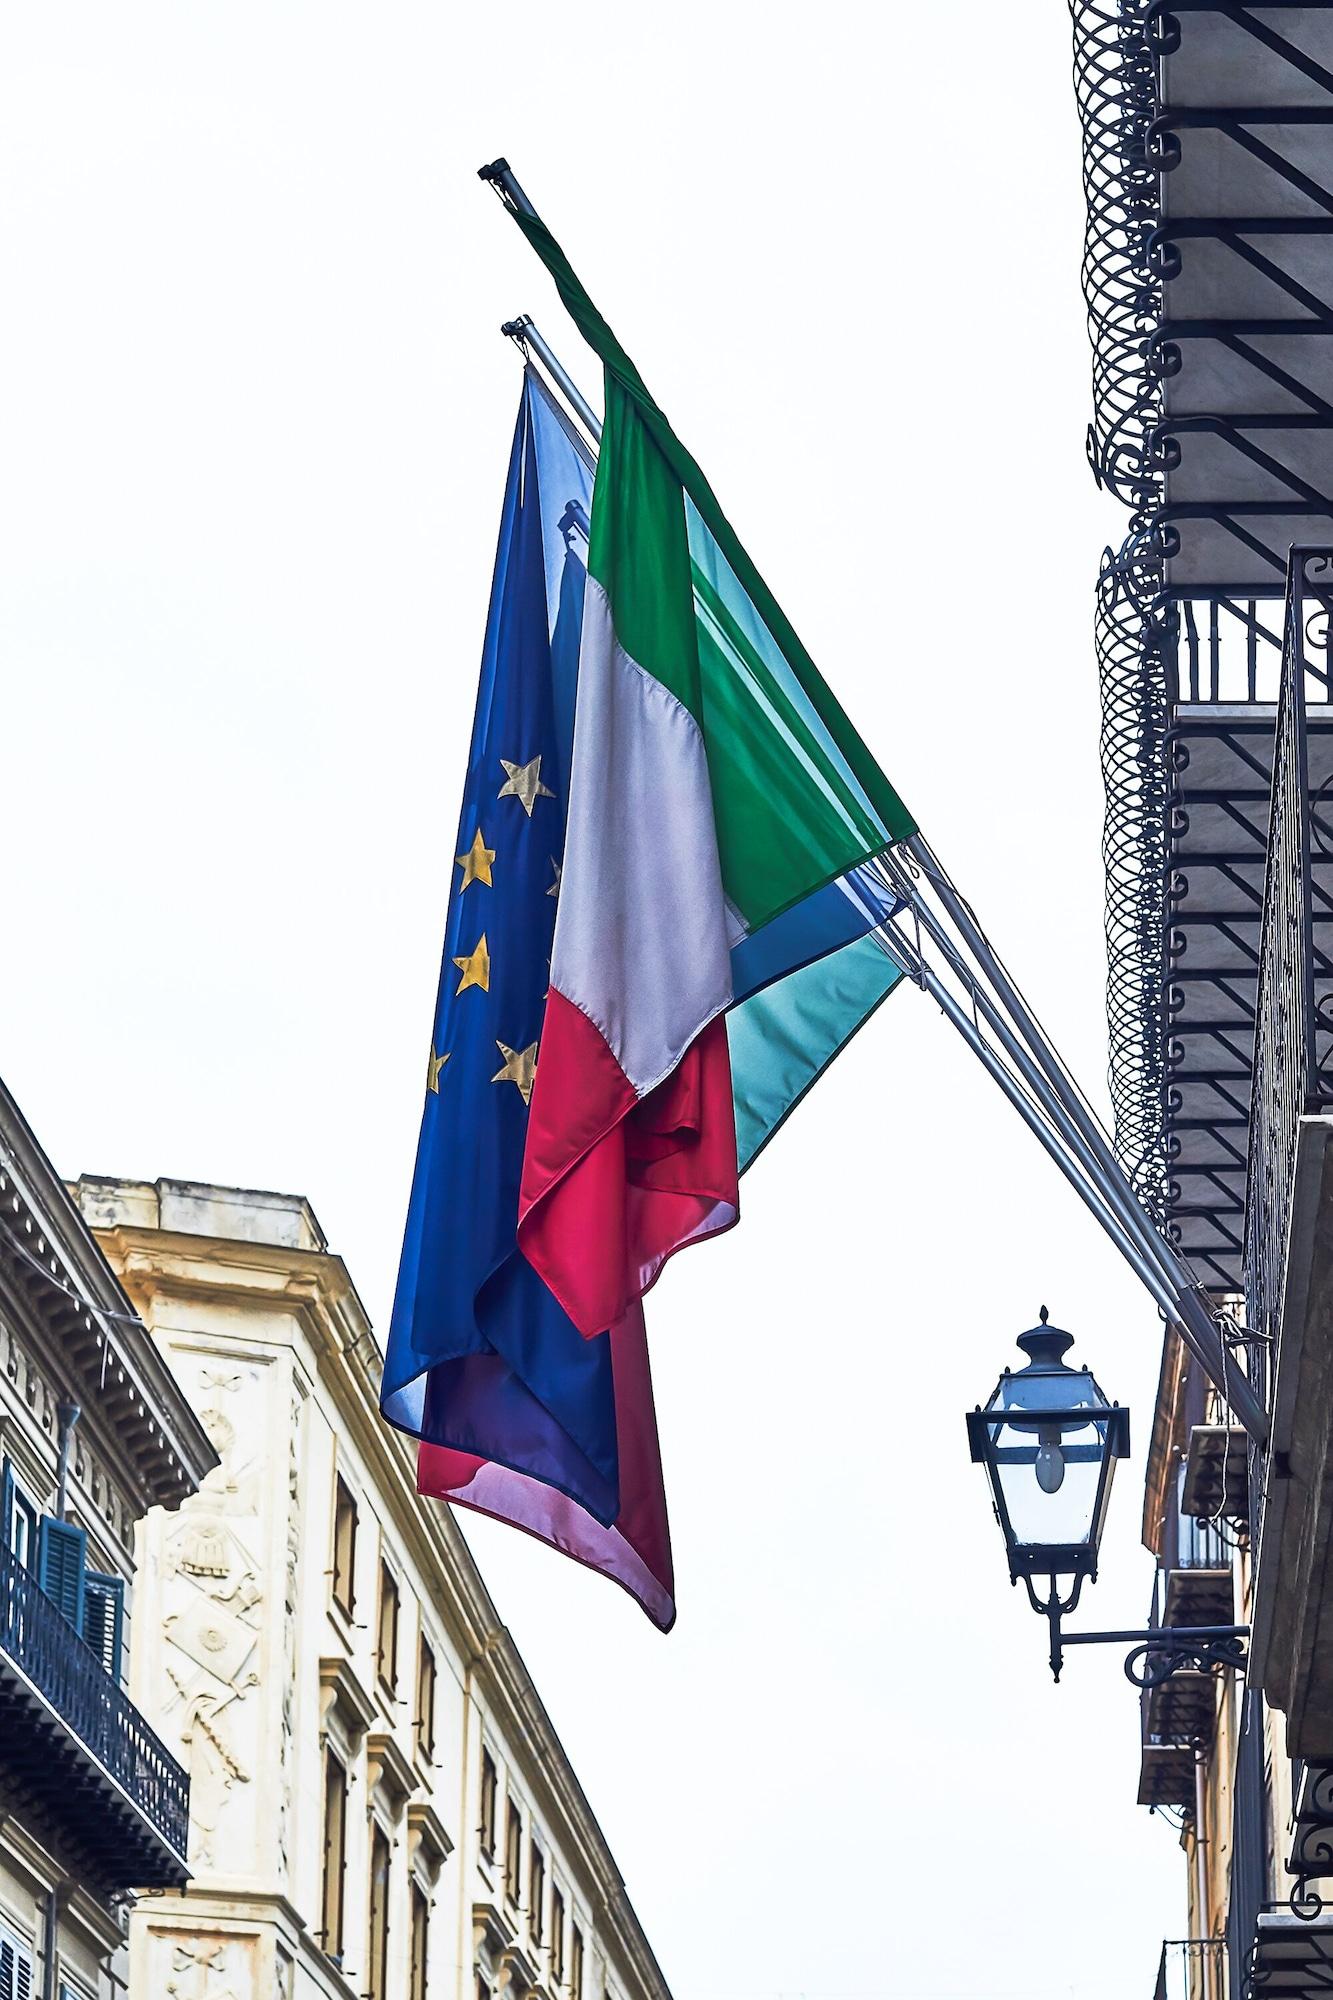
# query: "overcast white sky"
(255, 417)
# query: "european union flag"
(481, 1358)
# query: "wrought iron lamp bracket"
(1153, 1656)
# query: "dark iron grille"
(68, 1674)
(1190, 1969)
(1115, 83)
(1207, 133)
(1293, 1028)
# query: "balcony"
(1291, 1959)
(1216, 1483)
(1311, 1857)
(1174, 1720)
(1191, 1969)
(1196, 1561)
(1289, 1205)
(78, 1754)
(1166, 1775)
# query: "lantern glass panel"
(1061, 1507)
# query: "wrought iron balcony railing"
(1191, 1969)
(51, 1658)
(1293, 1036)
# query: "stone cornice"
(315, 1285)
(58, 1275)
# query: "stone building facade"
(380, 1804)
(93, 1433)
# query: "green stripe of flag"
(740, 780)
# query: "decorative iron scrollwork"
(1148, 1665)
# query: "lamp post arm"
(1155, 1655)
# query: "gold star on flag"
(554, 889)
(524, 783)
(475, 967)
(476, 863)
(520, 1067)
(433, 1068)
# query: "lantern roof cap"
(1045, 1346)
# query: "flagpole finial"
(501, 177)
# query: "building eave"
(55, 1264)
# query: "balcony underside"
(1293, 1960)
(1183, 1709)
(1216, 1474)
(51, 1777)
(1166, 1775)
(1198, 1597)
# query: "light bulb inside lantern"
(1050, 1463)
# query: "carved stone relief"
(201, 1968)
(212, 1615)
(290, 1598)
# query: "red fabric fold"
(612, 1184)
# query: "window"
(16, 1968)
(344, 1549)
(420, 1941)
(19, 1520)
(536, 1892)
(379, 1915)
(513, 1853)
(557, 1937)
(575, 1963)
(386, 1651)
(335, 1854)
(489, 1788)
(423, 1727)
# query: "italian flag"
(716, 786)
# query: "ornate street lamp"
(1049, 1441)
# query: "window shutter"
(103, 1618)
(7, 1536)
(60, 1557)
(15, 1969)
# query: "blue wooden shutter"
(6, 1531)
(60, 1561)
(103, 1617)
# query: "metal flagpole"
(1133, 1224)
(916, 969)
(1065, 1125)
(522, 331)
(1197, 1325)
